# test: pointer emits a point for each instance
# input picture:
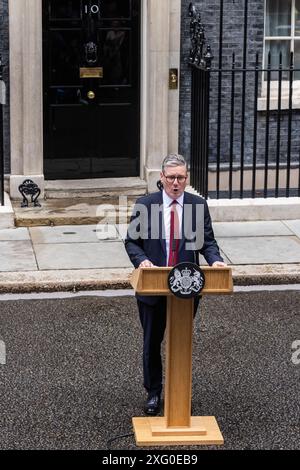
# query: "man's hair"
(173, 159)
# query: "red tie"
(174, 235)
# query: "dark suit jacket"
(144, 241)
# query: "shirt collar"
(167, 200)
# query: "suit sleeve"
(134, 244)
(210, 249)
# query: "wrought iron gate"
(245, 130)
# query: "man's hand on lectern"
(146, 264)
(219, 264)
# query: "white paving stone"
(103, 254)
(294, 226)
(17, 256)
(73, 234)
(251, 229)
(14, 234)
(261, 250)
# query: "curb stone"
(103, 279)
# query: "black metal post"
(278, 125)
(255, 126)
(200, 123)
(243, 98)
(267, 125)
(1, 142)
(192, 162)
(207, 73)
(197, 111)
(219, 99)
(200, 60)
(289, 137)
(231, 124)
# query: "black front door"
(91, 73)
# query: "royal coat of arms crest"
(186, 280)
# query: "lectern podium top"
(154, 281)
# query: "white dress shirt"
(167, 202)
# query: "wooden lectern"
(177, 426)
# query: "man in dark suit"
(167, 227)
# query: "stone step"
(80, 211)
(95, 188)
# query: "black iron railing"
(245, 130)
(2, 91)
(200, 60)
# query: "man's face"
(172, 186)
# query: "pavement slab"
(17, 256)
(252, 229)
(104, 254)
(73, 234)
(14, 234)
(294, 226)
(261, 250)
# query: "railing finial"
(200, 52)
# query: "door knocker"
(91, 52)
